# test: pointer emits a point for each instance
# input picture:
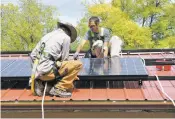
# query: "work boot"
(50, 84)
(40, 85)
(59, 92)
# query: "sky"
(70, 10)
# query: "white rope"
(42, 105)
(164, 91)
(142, 60)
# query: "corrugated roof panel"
(28, 96)
(154, 94)
(135, 94)
(167, 87)
(3, 92)
(170, 92)
(164, 83)
(116, 94)
(81, 94)
(150, 91)
(147, 92)
(98, 94)
(13, 95)
(173, 83)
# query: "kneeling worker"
(50, 58)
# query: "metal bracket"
(140, 82)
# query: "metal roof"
(115, 94)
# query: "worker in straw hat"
(51, 65)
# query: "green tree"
(168, 42)
(155, 14)
(145, 12)
(9, 37)
(24, 25)
(165, 25)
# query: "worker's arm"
(81, 45)
(83, 42)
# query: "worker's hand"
(76, 56)
(58, 64)
(76, 78)
(97, 44)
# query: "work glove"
(76, 56)
(76, 78)
(97, 44)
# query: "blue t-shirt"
(103, 35)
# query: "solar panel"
(16, 68)
(91, 67)
(113, 67)
(6, 63)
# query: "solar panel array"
(91, 67)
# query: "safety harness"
(54, 66)
(94, 37)
(36, 62)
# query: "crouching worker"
(51, 65)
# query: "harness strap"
(55, 67)
(55, 71)
(99, 37)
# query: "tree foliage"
(140, 23)
(168, 42)
(25, 24)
